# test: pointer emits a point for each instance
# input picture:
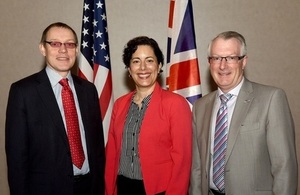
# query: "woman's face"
(144, 67)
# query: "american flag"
(182, 61)
(94, 60)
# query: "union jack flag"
(182, 61)
(94, 59)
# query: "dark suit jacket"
(260, 156)
(37, 149)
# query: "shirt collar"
(54, 77)
(235, 91)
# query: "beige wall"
(271, 29)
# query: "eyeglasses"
(56, 44)
(228, 59)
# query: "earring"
(160, 71)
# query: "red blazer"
(165, 143)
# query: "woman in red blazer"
(150, 136)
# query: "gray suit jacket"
(260, 157)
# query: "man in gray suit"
(256, 153)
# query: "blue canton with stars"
(94, 34)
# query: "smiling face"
(144, 68)
(227, 75)
(60, 59)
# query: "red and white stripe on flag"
(183, 75)
(94, 59)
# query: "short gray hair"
(229, 35)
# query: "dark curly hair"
(133, 44)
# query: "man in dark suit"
(39, 157)
(259, 155)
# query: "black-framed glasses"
(57, 44)
(228, 59)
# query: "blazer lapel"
(81, 96)
(46, 93)
(242, 105)
(207, 124)
(83, 103)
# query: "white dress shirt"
(54, 78)
(230, 108)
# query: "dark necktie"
(72, 124)
(220, 143)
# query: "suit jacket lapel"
(46, 93)
(242, 105)
(80, 96)
(83, 105)
(207, 125)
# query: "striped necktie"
(220, 143)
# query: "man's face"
(60, 58)
(227, 75)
